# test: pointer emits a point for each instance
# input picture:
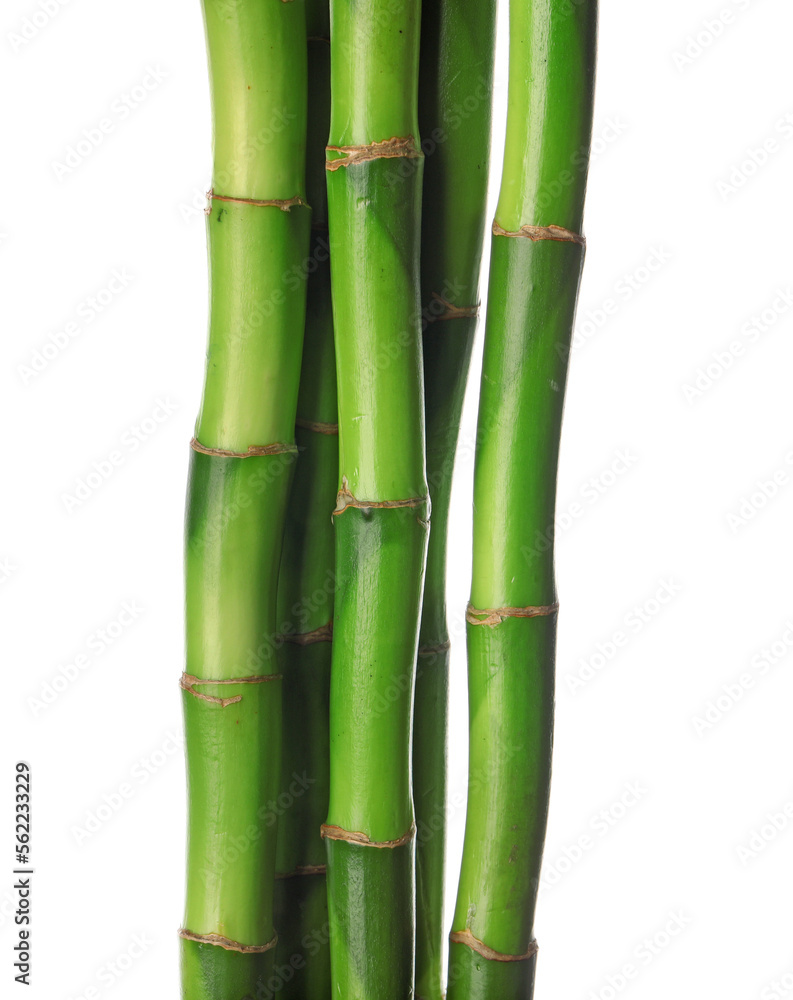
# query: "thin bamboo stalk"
(455, 91)
(534, 277)
(241, 463)
(306, 589)
(382, 508)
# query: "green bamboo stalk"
(534, 277)
(243, 452)
(306, 588)
(382, 508)
(455, 89)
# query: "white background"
(693, 840)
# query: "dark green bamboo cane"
(534, 276)
(455, 91)
(382, 508)
(243, 453)
(306, 590)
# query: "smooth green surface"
(531, 312)
(374, 252)
(430, 731)
(231, 751)
(257, 306)
(475, 978)
(511, 692)
(379, 950)
(302, 957)
(214, 972)
(257, 71)
(235, 520)
(456, 79)
(552, 50)
(374, 79)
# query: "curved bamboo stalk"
(455, 90)
(240, 472)
(374, 194)
(534, 277)
(306, 588)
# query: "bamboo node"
(345, 499)
(537, 233)
(303, 870)
(466, 937)
(329, 832)
(317, 426)
(441, 647)
(285, 204)
(495, 616)
(254, 450)
(396, 146)
(322, 634)
(227, 943)
(188, 682)
(451, 311)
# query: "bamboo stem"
(456, 81)
(374, 196)
(306, 588)
(534, 277)
(240, 472)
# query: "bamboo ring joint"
(495, 616)
(254, 450)
(329, 832)
(345, 499)
(451, 311)
(441, 647)
(466, 937)
(317, 426)
(285, 204)
(303, 870)
(557, 234)
(188, 682)
(322, 634)
(396, 146)
(227, 943)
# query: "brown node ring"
(345, 499)
(329, 832)
(451, 311)
(303, 870)
(285, 204)
(440, 647)
(466, 937)
(322, 634)
(317, 426)
(254, 450)
(396, 146)
(538, 233)
(188, 682)
(495, 616)
(227, 943)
